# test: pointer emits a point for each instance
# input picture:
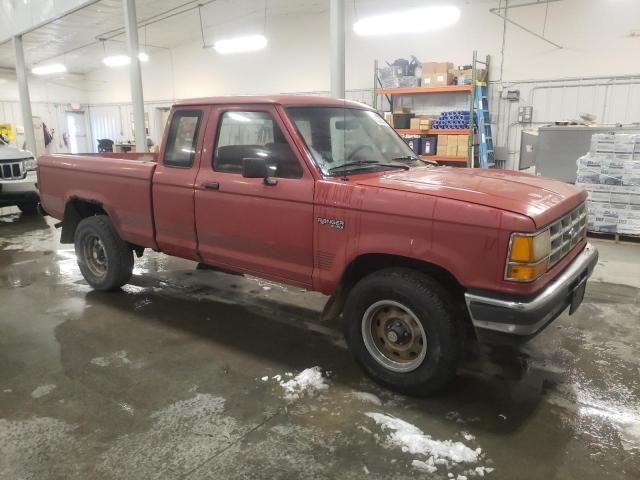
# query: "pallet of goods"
(610, 173)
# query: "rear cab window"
(182, 139)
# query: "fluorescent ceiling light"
(408, 21)
(249, 43)
(49, 69)
(116, 60)
(122, 60)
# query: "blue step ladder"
(486, 155)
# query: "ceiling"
(75, 39)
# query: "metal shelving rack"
(472, 131)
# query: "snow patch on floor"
(118, 358)
(43, 390)
(367, 397)
(411, 439)
(307, 383)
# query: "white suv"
(18, 178)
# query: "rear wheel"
(105, 260)
(30, 208)
(400, 325)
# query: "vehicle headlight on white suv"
(30, 164)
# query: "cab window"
(253, 135)
(182, 139)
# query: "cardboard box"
(437, 79)
(465, 75)
(463, 144)
(443, 142)
(443, 67)
(425, 123)
(428, 68)
(452, 145)
(414, 123)
(401, 109)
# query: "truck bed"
(120, 183)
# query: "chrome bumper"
(516, 317)
(24, 185)
(16, 192)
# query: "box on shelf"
(402, 120)
(429, 145)
(441, 147)
(388, 117)
(414, 142)
(464, 76)
(463, 144)
(437, 79)
(452, 145)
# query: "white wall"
(594, 34)
(49, 100)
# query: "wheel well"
(367, 264)
(75, 211)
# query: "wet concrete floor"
(174, 378)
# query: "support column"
(25, 99)
(337, 34)
(135, 74)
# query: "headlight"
(528, 256)
(30, 164)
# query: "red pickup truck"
(323, 194)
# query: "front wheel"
(403, 332)
(105, 260)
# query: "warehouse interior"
(191, 371)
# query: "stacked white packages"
(610, 173)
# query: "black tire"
(425, 300)
(112, 266)
(28, 208)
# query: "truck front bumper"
(498, 318)
(24, 190)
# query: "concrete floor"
(165, 380)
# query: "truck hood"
(10, 153)
(539, 198)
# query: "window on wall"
(182, 139)
(253, 135)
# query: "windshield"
(349, 139)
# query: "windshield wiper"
(368, 164)
(409, 157)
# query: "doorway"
(76, 127)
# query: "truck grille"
(11, 171)
(566, 233)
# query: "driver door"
(245, 224)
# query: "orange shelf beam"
(423, 90)
(408, 131)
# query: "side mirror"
(257, 168)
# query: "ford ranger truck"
(17, 178)
(323, 194)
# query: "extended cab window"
(253, 135)
(182, 139)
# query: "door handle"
(211, 185)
